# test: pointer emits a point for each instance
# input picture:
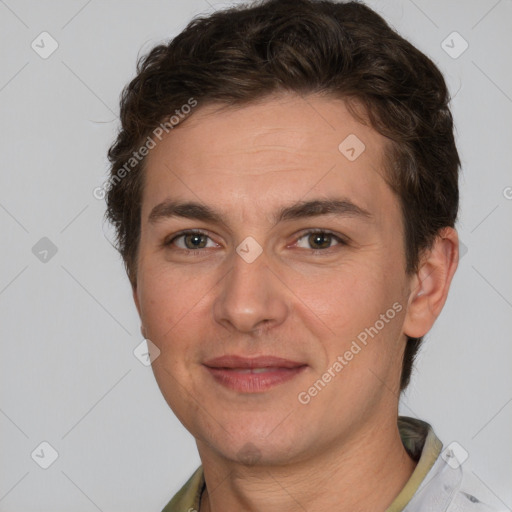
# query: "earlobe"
(430, 284)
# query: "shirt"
(437, 484)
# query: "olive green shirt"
(417, 436)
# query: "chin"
(259, 445)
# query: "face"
(295, 252)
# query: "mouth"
(252, 375)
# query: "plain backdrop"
(68, 327)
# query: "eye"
(316, 240)
(191, 240)
(319, 240)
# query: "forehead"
(276, 150)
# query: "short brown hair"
(344, 50)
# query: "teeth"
(252, 370)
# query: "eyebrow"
(299, 210)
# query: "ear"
(430, 284)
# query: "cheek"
(168, 299)
(360, 303)
(177, 308)
(343, 297)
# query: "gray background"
(68, 326)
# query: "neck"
(366, 473)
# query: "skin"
(267, 451)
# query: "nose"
(251, 297)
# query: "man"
(284, 188)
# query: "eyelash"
(197, 252)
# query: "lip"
(252, 375)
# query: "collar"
(417, 436)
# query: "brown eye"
(190, 241)
(194, 241)
(319, 240)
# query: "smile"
(255, 375)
